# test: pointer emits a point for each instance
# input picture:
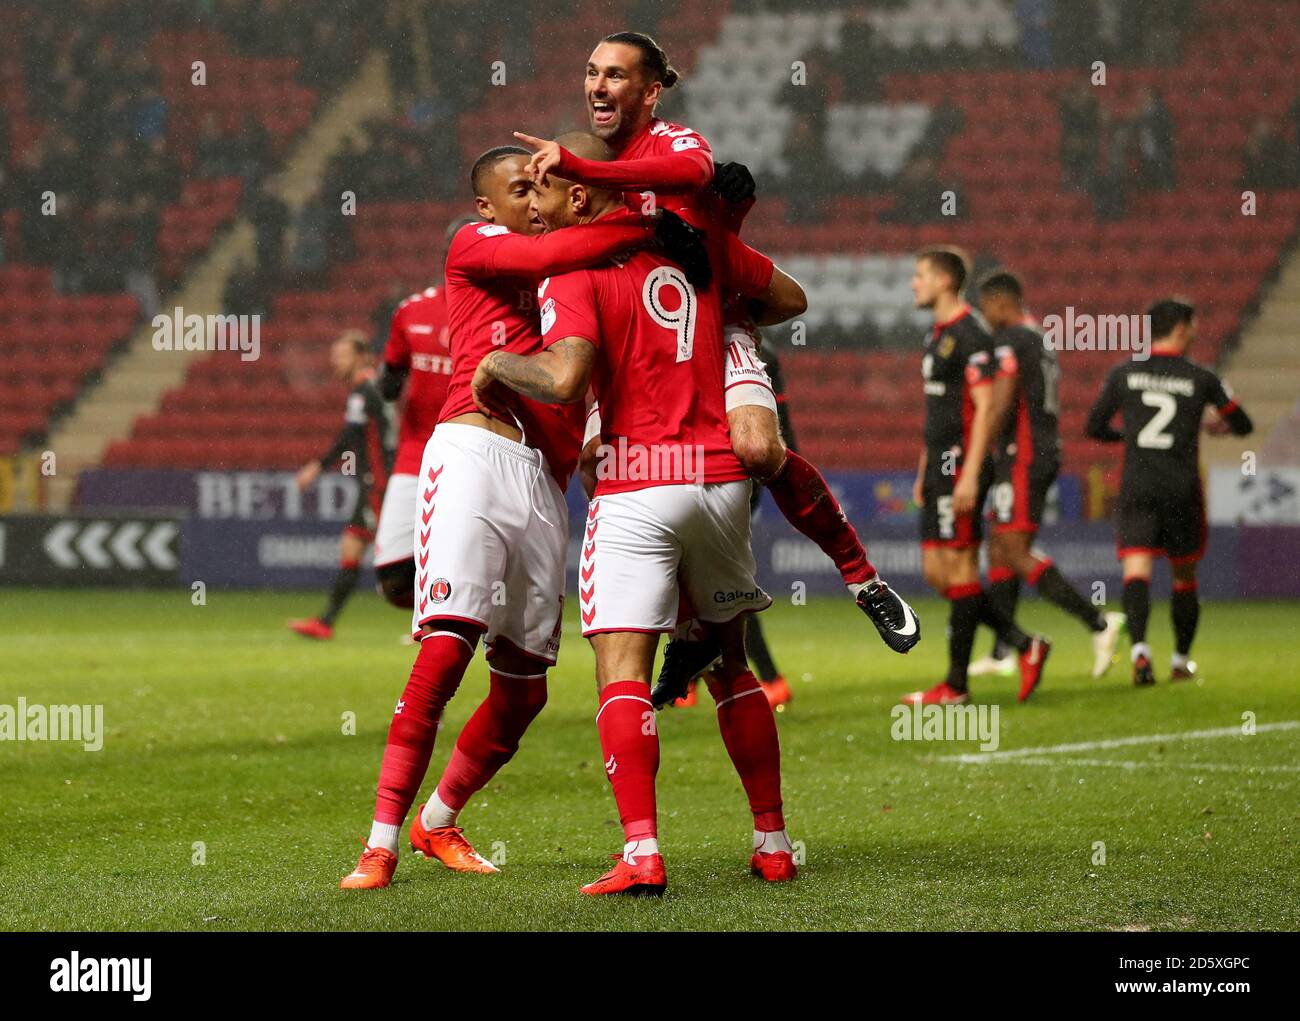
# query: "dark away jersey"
(1031, 426)
(368, 434)
(958, 357)
(1161, 400)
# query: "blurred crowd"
(91, 189)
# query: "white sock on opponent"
(1140, 649)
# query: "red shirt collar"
(962, 314)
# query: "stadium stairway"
(136, 381)
(1265, 371)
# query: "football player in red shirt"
(670, 509)
(491, 520)
(673, 166)
(417, 351)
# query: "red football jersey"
(490, 278)
(658, 373)
(417, 341)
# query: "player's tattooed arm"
(559, 375)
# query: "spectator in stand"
(1080, 115)
(919, 193)
(1154, 131)
(809, 179)
(252, 153)
(309, 257)
(214, 154)
(1035, 17)
(246, 293)
(1266, 163)
(1110, 187)
(858, 60)
(270, 218)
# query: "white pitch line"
(1203, 767)
(1117, 742)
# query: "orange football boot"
(690, 699)
(313, 627)
(777, 691)
(941, 694)
(449, 846)
(373, 872)
(646, 877)
(776, 867)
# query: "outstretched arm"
(684, 171)
(556, 252)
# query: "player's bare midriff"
(492, 425)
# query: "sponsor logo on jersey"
(440, 590)
(491, 230)
(548, 315)
(682, 144)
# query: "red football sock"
(491, 737)
(808, 504)
(438, 668)
(749, 732)
(629, 742)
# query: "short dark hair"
(488, 160)
(1167, 313)
(1001, 281)
(950, 260)
(653, 59)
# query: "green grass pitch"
(224, 729)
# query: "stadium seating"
(1012, 209)
(52, 344)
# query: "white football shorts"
(637, 546)
(491, 532)
(395, 533)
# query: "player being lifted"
(365, 445)
(960, 417)
(491, 521)
(626, 75)
(649, 343)
(418, 351)
(775, 686)
(1026, 460)
(1161, 499)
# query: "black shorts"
(1163, 523)
(1019, 493)
(365, 514)
(939, 525)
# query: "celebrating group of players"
(599, 316)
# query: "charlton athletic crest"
(440, 590)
